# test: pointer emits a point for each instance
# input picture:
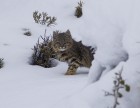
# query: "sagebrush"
(79, 11)
(119, 83)
(1, 62)
(42, 52)
(44, 19)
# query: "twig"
(119, 83)
(44, 19)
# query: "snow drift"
(110, 25)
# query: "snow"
(110, 25)
(21, 84)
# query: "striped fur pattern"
(68, 50)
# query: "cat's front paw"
(70, 73)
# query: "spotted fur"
(68, 50)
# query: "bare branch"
(44, 19)
(42, 52)
(119, 83)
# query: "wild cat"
(68, 50)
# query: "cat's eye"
(67, 44)
(64, 45)
(57, 44)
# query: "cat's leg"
(73, 67)
(95, 72)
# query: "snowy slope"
(111, 26)
(116, 34)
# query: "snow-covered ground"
(110, 25)
(21, 84)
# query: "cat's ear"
(68, 32)
(55, 33)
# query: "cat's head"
(62, 41)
